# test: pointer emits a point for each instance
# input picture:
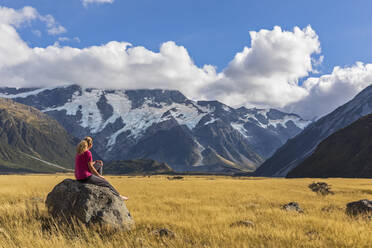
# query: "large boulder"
(89, 203)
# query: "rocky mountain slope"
(31, 141)
(297, 149)
(345, 153)
(165, 126)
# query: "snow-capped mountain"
(296, 150)
(164, 125)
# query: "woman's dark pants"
(93, 179)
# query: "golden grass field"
(198, 209)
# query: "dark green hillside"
(28, 137)
(137, 166)
(346, 153)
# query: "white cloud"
(67, 39)
(63, 39)
(56, 30)
(53, 27)
(266, 74)
(16, 18)
(13, 50)
(86, 2)
(115, 65)
(9, 16)
(328, 92)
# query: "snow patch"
(211, 121)
(120, 103)
(186, 115)
(199, 151)
(87, 104)
(226, 108)
(138, 120)
(274, 123)
(300, 123)
(263, 112)
(26, 94)
(241, 129)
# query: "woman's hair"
(83, 145)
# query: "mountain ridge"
(129, 124)
(32, 141)
(345, 153)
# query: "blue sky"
(212, 31)
(304, 57)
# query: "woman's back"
(81, 165)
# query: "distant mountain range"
(139, 166)
(165, 126)
(297, 149)
(345, 153)
(31, 141)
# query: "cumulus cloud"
(13, 50)
(328, 92)
(116, 64)
(265, 74)
(86, 2)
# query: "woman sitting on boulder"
(87, 171)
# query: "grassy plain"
(198, 209)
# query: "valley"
(199, 210)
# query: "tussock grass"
(197, 209)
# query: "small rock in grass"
(321, 188)
(246, 223)
(292, 206)
(163, 232)
(175, 178)
(361, 207)
(312, 234)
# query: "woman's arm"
(93, 170)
